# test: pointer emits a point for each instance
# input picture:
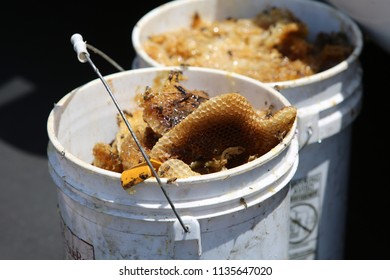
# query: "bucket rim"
(340, 67)
(64, 153)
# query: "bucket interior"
(87, 115)
(319, 17)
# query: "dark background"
(38, 67)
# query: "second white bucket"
(240, 213)
(319, 198)
(327, 102)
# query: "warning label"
(304, 214)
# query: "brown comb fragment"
(225, 121)
(175, 168)
(106, 156)
(165, 107)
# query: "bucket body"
(240, 213)
(327, 102)
(327, 108)
(319, 199)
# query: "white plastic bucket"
(240, 213)
(327, 102)
(327, 108)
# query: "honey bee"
(243, 202)
(171, 180)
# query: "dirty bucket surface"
(240, 213)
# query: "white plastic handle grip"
(80, 47)
(186, 245)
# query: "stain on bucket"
(328, 102)
(239, 213)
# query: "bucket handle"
(308, 121)
(186, 245)
(309, 133)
